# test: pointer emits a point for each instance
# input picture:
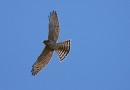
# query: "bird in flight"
(62, 48)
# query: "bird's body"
(51, 44)
(61, 48)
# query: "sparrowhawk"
(61, 48)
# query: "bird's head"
(46, 42)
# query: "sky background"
(100, 51)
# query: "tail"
(63, 49)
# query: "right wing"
(42, 60)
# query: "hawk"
(62, 48)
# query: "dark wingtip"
(32, 71)
(53, 12)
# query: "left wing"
(54, 28)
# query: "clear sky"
(100, 51)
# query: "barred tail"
(63, 49)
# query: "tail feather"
(63, 49)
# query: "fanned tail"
(63, 49)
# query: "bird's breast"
(52, 45)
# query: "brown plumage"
(62, 48)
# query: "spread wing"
(42, 60)
(54, 28)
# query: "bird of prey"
(62, 48)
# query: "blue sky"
(100, 51)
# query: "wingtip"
(33, 74)
(53, 12)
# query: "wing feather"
(54, 28)
(42, 60)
